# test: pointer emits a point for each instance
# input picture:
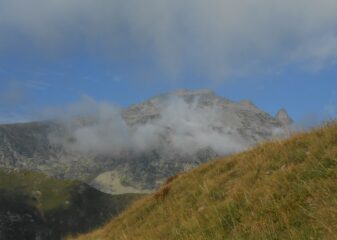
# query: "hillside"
(278, 190)
(34, 206)
(137, 148)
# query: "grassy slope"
(60, 206)
(46, 192)
(278, 190)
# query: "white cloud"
(185, 128)
(215, 37)
(37, 85)
(319, 52)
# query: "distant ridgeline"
(145, 144)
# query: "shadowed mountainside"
(34, 206)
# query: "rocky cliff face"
(156, 139)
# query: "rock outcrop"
(283, 117)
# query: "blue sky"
(274, 54)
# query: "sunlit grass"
(278, 190)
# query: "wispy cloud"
(217, 38)
(319, 52)
(38, 85)
(183, 127)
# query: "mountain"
(137, 148)
(34, 206)
(277, 190)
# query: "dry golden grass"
(278, 190)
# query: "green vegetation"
(278, 190)
(46, 193)
(34, 206)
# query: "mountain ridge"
(144, 143)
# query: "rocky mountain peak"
(199, 92)
(151, 141)
(248, 104)
(152, 108)
(283, 117)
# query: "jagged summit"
(283, 117)
(152, 108)
(186, 92)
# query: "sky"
(274, 53)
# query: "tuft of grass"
(278, 190)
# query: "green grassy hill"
(278, 190)
(34, 205)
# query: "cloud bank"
(99, 128)
(217, 38)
